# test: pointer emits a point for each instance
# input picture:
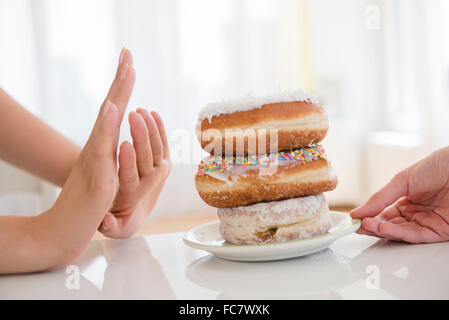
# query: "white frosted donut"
(255, 125)
(275, 221)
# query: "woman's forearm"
(26, 246)
(30, 144)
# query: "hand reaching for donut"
(413, 206)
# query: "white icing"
(252, 101)
(222, 176)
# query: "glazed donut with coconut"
(254, 125)
(276, 221)
(235, 181)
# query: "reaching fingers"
(395, 189)
(426, 217)
(128, 173)
(107, 131)
(389, 213)
(433, 222)
(409, 232)
(141, 141)
(405, 231)
(162, 133)
(155, 138)
(363, 231)
(398, 220)
(374, 226)
(409, 210)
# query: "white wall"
(346, 59)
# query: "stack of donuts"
(266, 172)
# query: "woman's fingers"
(407, 221)
(362, 231)
(125, 57)
(119, 93)
(427, 218)
(389, 213)
(120, 226)
(162, 133)
(395, 189)
(375, 226)
(109, 226)
(128, 174)
(141, 141)
(398, 220)
(410, 232)
(147, 151)
(155, 138)
(107, 132)
(122, 86)
(406, 231)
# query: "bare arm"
(86, 201)
(61, 234)
(30, 144)
(25, 245)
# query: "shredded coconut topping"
(251, 101)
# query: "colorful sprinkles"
(213, 164)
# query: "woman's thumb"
(105, 133)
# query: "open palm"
(143, 168)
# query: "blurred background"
(379, 67)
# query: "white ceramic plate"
(207, 237)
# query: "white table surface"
(163, 267)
